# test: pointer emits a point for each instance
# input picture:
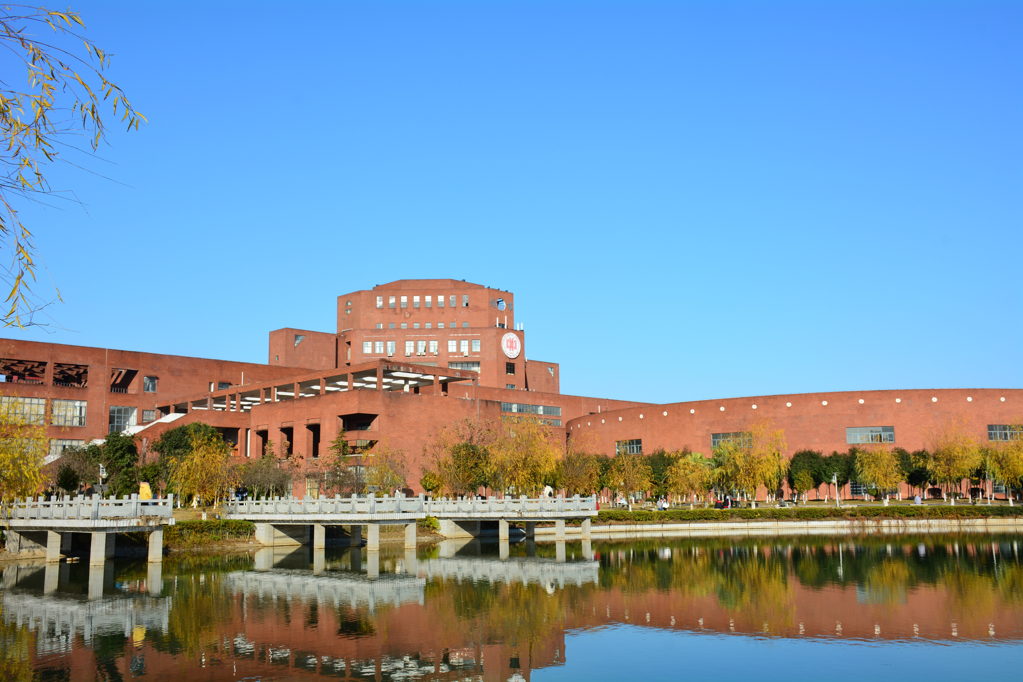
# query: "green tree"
(60, 106)
(840, 466)
(802, 482)
(119, 454)
(811, 462)
(914, 472)
(431, 483)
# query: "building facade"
(413, 356)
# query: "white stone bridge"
(37, 526)
(283, 521)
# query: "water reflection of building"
(481, 617)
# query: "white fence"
(92, 508)
(468, 508)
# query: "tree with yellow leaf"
(203, 472)
(954, 454)
(1006, 460)
(43, 122)
(688, 474)
(525, 456)
(23, 446)
(879, 466)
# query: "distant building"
(413, 356)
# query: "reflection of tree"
(201, 608)
(756, 589)
(1009, 581)
(887, 583)
(15, 664)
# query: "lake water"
(935, 607)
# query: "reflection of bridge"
(57, 618)
(334, 587)
(526, 571)
(46, 526)
(293, 521)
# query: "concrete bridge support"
(410, 535)
(156, 547)
(355, 536)
(319, 536)
(373, 538)
(53, 545)
(559, 530)
(102, 548)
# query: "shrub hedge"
(612, 516)
(195, 533)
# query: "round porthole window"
(1003, 400)
(898, 400)
(665, 414)
(754, 407)
(788, 404)
(969, 399)
(824, 402)
(619, 418)
(861, 401)
(934, 400)
(722, 409)
(640, 416)
(694, 411)
(601, 421)
(587, 423)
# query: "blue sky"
(690, 200)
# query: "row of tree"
(521, 456)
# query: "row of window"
(521, 408)
(629, 447)
(420, 347)
(427, 301)
(875, 434)
(429, 325)
(1004, 432)
(67, 412)
(870, 434)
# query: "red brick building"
(412, 356)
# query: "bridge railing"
(89, 508)
(444, 507)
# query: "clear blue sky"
(689, 200)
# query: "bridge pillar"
(265, 534)
(373, 565)
(410, 535)
(101, 549)
(154, 579)
(559, 551)
(587, 550)
(502, 530)
(96, 575)
(319, 536)
(51, 577)
(373, 537)
(355, 536)
(156, 546)
(411, 562)
(356, 555)
(459, 529)
(586, 529)
(319, 560)
(53, 544)
(559, 529)
(530, 530)
(503, 549)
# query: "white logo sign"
(511, 345)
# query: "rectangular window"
(464, 345)
(433, 347)
(415, 301)
(404, 325)
(410, 348)
(428, 325)
(58, 445)
(440, 325)
(390, 347)
(475, 345)
(25, 410)
(68, 412)
(452, 346)
(367, 347)
(870, 434)
(467, 366)
(223, 385)
(520, 408)
(380, 325)
(421, 347)
(149, 384)
(452, 300)
(509, 368)
(629, 447)
(857, 488)
(1004, 432)
(742, 438)
(390, 301)
(380, 301)
(415, 325)
(121, 418)
(465, 325)
(511, 386)
(465, 300)
(148, 416)
(378, 347)
(404, 301)
(390, 326)
(429, 301)
(440, 301)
